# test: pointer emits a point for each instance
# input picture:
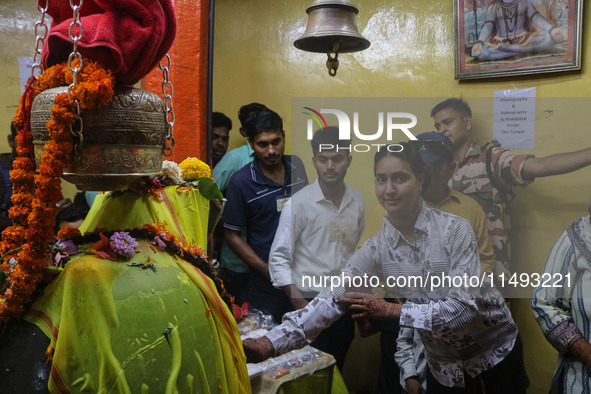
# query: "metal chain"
(40, 40)
(75, 36)
(168, 104)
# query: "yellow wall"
(411, 56)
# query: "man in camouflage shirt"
(453, 118)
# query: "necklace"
(510, 16)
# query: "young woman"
(426, 257)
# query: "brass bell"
(332, 28)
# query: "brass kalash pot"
(120, 143)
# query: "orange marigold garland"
(34, 218)
(68, 232)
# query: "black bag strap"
(507, 195)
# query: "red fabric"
(240, 312)
(130, 37)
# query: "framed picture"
(498, 38)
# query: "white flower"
(172, 170)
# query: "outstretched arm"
(557, 164)
(257, 350)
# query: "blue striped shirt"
(562, 306)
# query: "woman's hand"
(582, 349)
(413, 386)
(370, 306)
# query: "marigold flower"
(23, 163)
(22, 176)
(193, 169)
(154, 227)
(68, 232)
(49, 182)
(197, 251)
(19, 214)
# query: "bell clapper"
(333, 62)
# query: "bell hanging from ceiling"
(332, 28)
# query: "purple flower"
(64, 249)
(158, 242)
(123, 244)
(67, 246)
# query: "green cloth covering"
(122, 329)
(328, 380)
(185, 212)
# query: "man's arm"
(281, 253)
(485, 249)
(297, 299)
(404, 355)
(298, 329)
(560, 163)
(245, 253)
(301, 327)
(281, 257)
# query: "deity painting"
(505, 37)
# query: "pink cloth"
(130, 37)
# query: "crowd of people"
(442, 211)
(295, 250)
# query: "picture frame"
(500, 38)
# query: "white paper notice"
(514, 118)
(25, 64)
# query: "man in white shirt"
(317, 233)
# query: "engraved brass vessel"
(121, 142)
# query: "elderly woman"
(470, 338)
(561, 306)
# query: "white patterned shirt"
(562, 306)
(315, 238)
(464, 329)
